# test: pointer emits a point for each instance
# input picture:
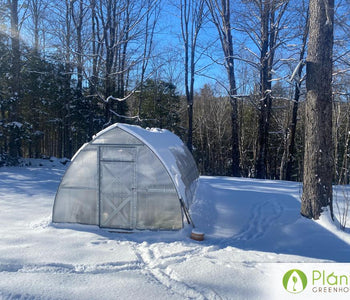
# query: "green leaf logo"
(294, 281)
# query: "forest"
(228, 77)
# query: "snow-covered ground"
(248, 224)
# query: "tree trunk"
(77, 18)
(122, 76)
(291, 134)
(186, 39)
(14, 140)
(289, 153)
(94, 77)
(68, 149)
(109, 41)
(318, 156)
(191, 23)
(265, 92)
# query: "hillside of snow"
(247, 224)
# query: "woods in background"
(226, 76)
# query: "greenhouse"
(128, 177)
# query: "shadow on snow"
(263, 215)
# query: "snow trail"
(159, 268)
(263, 216)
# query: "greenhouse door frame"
(117, 187)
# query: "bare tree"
(221, 17)
(288, 158)
(61, 29)
(318, 160)
(271, 14)
(192, 14)
(78, 11)
(15, 85)
(263, 24)
(37, 10)
(212, 132)
(121, 22)
(95, 59)
(152, 16)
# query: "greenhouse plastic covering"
(129, 178)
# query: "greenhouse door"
(117, 187)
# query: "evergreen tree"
(160, 105)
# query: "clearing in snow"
(247, 224)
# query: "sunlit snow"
(247, 223)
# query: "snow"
(170, 150)
(14, 124)
(249, 225)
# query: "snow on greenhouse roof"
(169, 148)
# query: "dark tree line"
(71, 68)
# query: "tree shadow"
(264, 216)
(30, 180)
